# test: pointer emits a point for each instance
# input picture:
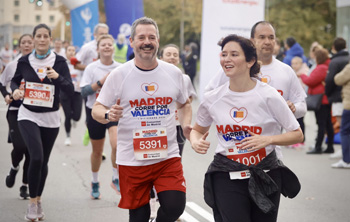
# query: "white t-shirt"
(148, 101)
(277, 74)
(92, 73)
(75, 74)
(191, 93)
(88, 53)
(7, 75)
(261, 110)
(45, 119)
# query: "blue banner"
(121, 14)
(83, 21)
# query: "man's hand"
(291, 106)
(255, 142)
(116, 112)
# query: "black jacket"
(260, 184)
(63, 82)
(337, 64)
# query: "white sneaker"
(341, 164)
(67, 142)
(338, 154)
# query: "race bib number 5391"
(150, 143)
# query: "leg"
(76, 104)
(48, 136)
(302, 126)
(329, 129)
(181, 140)
(96, 155)
(257, 214)
(112, 132)
(345, 135)
(140, 214)
(321, 123)
(172, 205)
(32, 137)
(232, 198)
(67, 109)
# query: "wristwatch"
(99, 83)
(107, 115)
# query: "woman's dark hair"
(248, 49)
(41, 26)
(22, 36)
(166, 46)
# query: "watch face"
(106, 115)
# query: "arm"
(256, 141)
(300, 109)
(343, 77)
(91, 89)
(99, 111)
(330, 85)
(185, 117)
(197, 138)
(316, 77)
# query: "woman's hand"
(8, 99)
(18, 94)
(51, 73)
(200, 145)
(255, 142)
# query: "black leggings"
(72, 109)
(172, 205)
(234, 202)
(40, 141)
(19, 147)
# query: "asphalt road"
(324, 197)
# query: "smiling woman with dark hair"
(248, 116)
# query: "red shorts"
(136, 181)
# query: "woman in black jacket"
(44, 74)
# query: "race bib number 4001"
(150, 143)
(39, 94)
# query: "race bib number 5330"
(150, 143)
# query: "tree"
(306, 21)
(167, 14)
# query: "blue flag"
(121, 14)
(84, 19)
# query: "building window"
(38, 18)
(16, 18)
(51, 3)
(16, 3)
(52, 18)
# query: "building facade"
(18, 17)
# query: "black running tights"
(40, 141)
(72, 109)
(19, 147)
(172, 205)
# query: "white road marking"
(199, 210)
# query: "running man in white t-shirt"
(273, 72)
(248, 116)
(143, 94)
(91, 84)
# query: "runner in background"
(143, 94)
(45, 74)
(86, 55)
(72, 105)
(93, 79)
(248, 116)
(19, 148)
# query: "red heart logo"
(149, 88)
(238, 114)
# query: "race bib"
(39, 94)
(232, 144)
(150, 143)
